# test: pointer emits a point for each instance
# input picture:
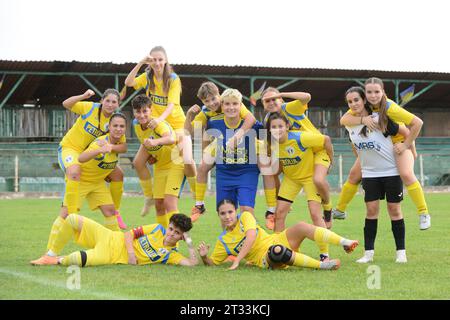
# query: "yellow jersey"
(230, 242)
(149, 248)
(88, 126)
(207, 114)
(162, 154)
(160, 99)
(397, 114)
(296, 153)
(295, 111)
(98, 168)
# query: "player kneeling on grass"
(245, 239)
(115, 247)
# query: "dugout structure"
(33, 121)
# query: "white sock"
(345, 242)
(199, 203)
(51, 253)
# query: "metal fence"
(40, 172)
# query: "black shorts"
(377, 188)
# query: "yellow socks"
(116, 189)
(66, 232)
(301, 260)
(322, 235)
(271, 198)
(415, 191)
(147, 187)
(72, 195)
(200, 190)
(111, 223)
(192, 184)
(57, 224)
(162, 220)
(327, 206)
(347, 193)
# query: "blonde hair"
(232, 93)
(207, 89)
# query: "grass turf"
(26, 223)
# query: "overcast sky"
(380, 35)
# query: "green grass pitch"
(25, 225)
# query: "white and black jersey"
(375, 149)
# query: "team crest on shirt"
(290, 150)
(163, 251)
(69, 159)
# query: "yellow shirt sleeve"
(174, 92)
(82, 107)
(219, 253)
(140, 82)
(248, 221)
(398, 114)
(162, 128)
(175, 258)
(312, 139)
(296, 107)
(243, 112)
(201, 117)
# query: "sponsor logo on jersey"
(107, 165)
(93, 130)
(151, 253)
(69, 159)
(371, 145)
(161, 101)
(290, 161)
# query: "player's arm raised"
(203, 249)
(130, 80)
(192, 260)
(70, 102)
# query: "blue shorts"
(242, 193)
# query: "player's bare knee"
(159, 206)
(394, 210)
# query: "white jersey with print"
(376, 152)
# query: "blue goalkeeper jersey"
(238, 163)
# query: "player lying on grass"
(245, 239)
(143, 245)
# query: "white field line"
(61, 285)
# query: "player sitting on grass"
(245, 239)
(143, 245)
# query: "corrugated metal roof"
(52, 90)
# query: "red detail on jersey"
(138, 232)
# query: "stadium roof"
(53, 81)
